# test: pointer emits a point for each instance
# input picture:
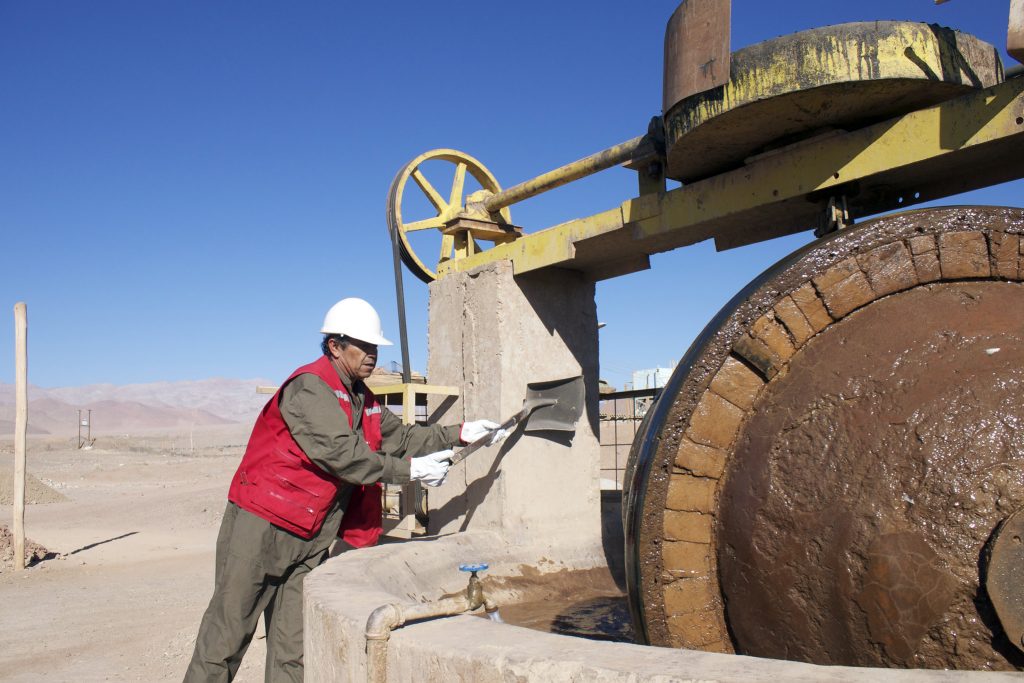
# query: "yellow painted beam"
(433, 389)
(540, 249)
(409, 405)
(980, 134)
(922, 136)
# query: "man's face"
(357, 360)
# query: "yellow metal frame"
(446, 208)
(409, 394)
(962, 144)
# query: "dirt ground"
(130, 561)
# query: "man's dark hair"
(340, 338)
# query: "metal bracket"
(489, 231)
(651, 171)
(835, 217)
(466, 231)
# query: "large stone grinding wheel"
(821, 478)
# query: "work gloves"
(477, 429)
(431, 469)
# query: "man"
(310, 474)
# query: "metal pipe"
(388, 617)
(637, 149)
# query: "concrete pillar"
(491, 334)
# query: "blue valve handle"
(474, 567)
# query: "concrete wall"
(491, 334)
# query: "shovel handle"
(529, 406)
(486, 438)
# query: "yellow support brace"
(963, 144)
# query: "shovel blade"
(563, 414)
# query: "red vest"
(277, 481)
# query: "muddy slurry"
(586, 604)
(601, 618)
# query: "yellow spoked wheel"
(437, 209)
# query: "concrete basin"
(341, 594)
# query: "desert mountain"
(136, 407)
(147, 407)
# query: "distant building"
(653, 378)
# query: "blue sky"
(186, 187)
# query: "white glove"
(478, 429)
(431, 469)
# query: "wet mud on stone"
(651, 461)
(862, 493)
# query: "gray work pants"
(260, 570)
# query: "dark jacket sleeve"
(413, 440)
(310, 409)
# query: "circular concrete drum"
(822, 477)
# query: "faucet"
(388, 617)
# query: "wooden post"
(20, 429)
(407, 525)
(410, 491)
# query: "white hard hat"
(357, 319)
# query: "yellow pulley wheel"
(429, 220)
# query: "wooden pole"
(20, 428)
(410, 491)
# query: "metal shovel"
(555, 405)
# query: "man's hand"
(471, 431)
(431, 469)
